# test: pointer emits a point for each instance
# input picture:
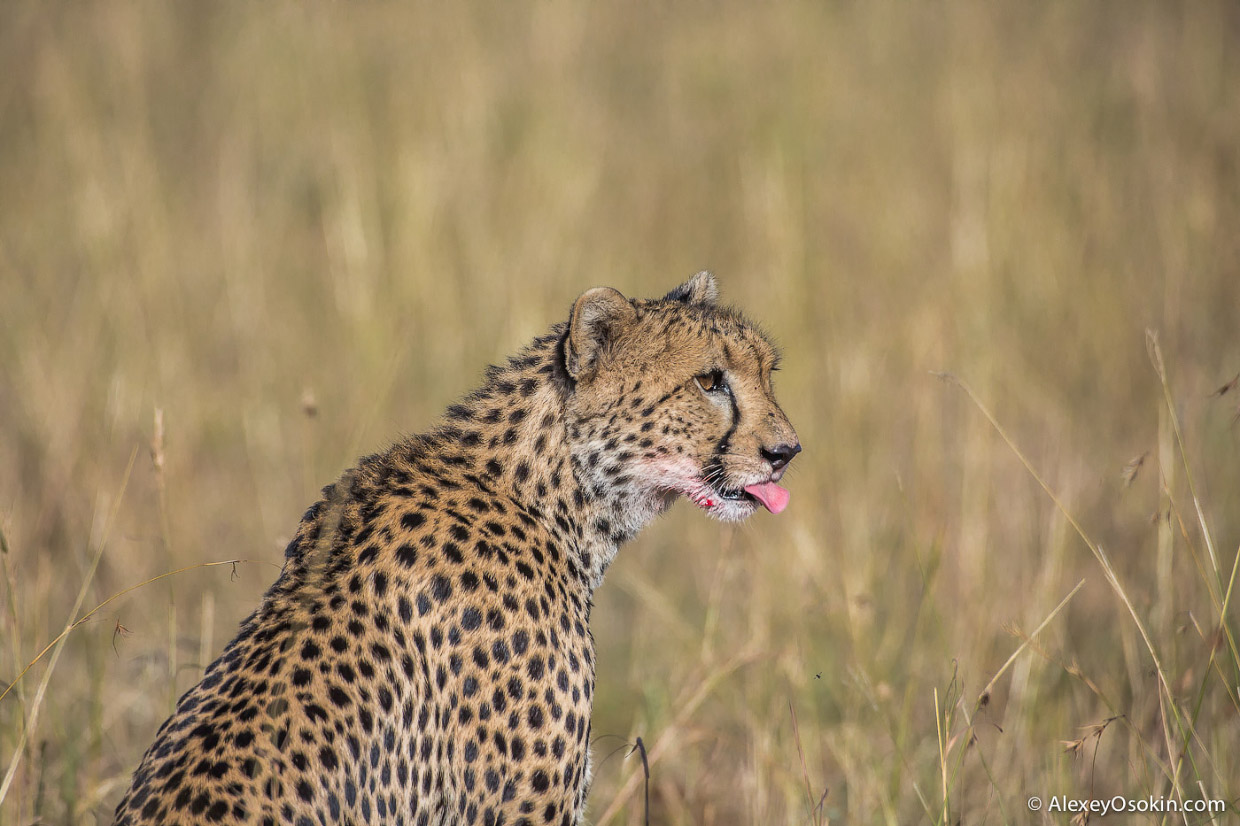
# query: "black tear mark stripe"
(724, 442)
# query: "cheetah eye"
(712, 382)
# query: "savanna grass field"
(998, 243)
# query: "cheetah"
(425, 656)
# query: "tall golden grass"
(242, 244)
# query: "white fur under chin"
(727, 510)
(683, 478)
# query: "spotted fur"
(425, 656)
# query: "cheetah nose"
(780, 455)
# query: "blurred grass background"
(299, 231)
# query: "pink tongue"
(772, 496)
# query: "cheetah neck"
(512, 435)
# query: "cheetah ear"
(700, 289)
(599, 315)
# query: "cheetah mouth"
(716, 492)
(766, 494)
(737, 495)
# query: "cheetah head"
(672, 397)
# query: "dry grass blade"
(668, 737)
(941, 740)
(814, 807)
(1222, 609)
(985, 693)
(1156, 358)
(87, 616)
(57, 645)
(640, 747)
(1214, 582)
(14, 625)
(1097, 550)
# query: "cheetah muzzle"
(425, 655)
